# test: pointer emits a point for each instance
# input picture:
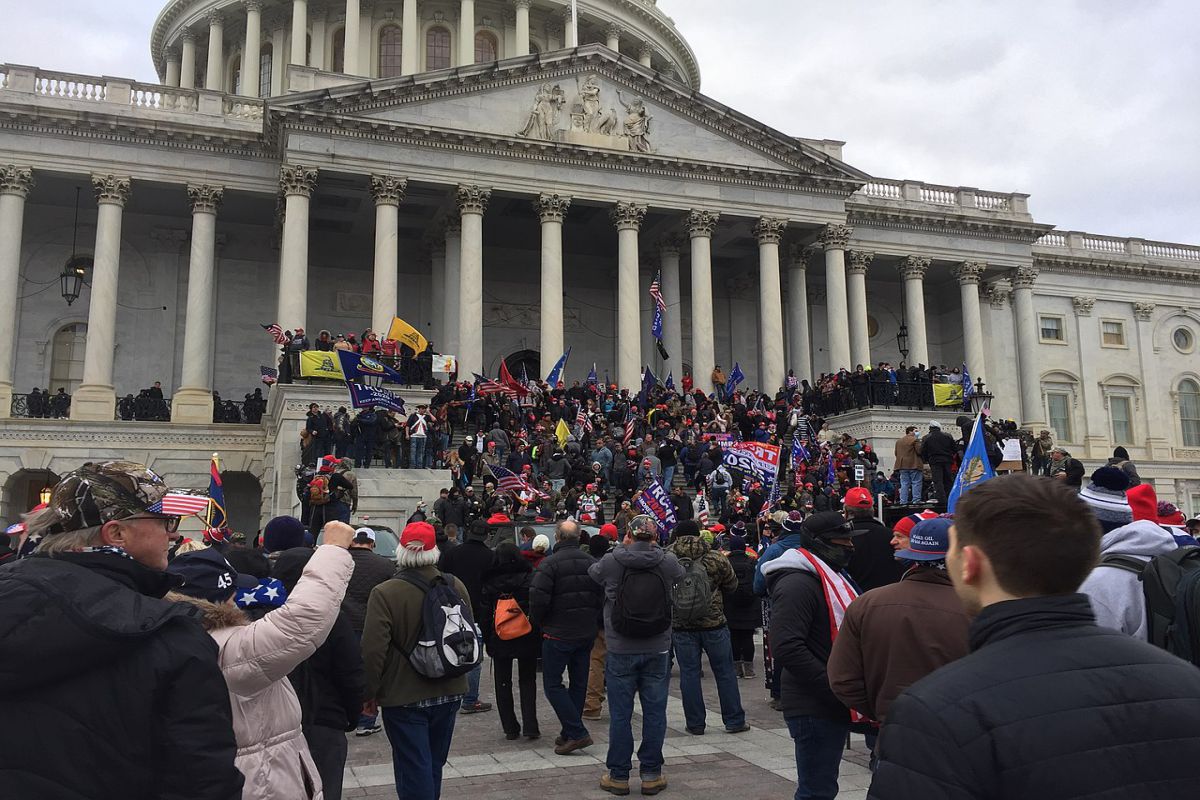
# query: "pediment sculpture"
(591, 123)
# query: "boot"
(741, 670)
(748, 669)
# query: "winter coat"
(1116, 594)
(874, 561)
(743, 609)
(106, 690)
(1047, 705)
(468, 562)
(511, 579)
(370, 570)
(720, 575)
(906, 453)
(564, 602)
(772, 551)
(937, 447)
(500, 529)
(895, 635)
(256, 657)
(607, 573)
(684, 508)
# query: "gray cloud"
(1090, 106)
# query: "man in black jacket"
(938, 448)
(468, 563)
(124, 685)
(565, 603)
(1047, 704)
(370, 570)
(874, 562)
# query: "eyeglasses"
(170, 523)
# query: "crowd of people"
(414, 368)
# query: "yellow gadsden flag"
(320, 364)
(947, 394)
(561, 431)
(404, 333)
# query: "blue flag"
(976, 466)
(524, 376)
(471, 400)
(363, 369)
(556, 374)
(831, 473)
(592, 380)
(735, 378)
(670, 384)
(648, 383)
(364, 396)
(656, 503)
(799, 451)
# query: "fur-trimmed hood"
(213, 616)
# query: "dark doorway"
(528, 360)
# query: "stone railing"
(963, 197)
(1116, 245)
(147, 98)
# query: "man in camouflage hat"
(109, 691)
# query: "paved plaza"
(483, 765)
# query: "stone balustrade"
(1116, 245)
(960, 197)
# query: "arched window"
(66, 357)
(389, 51)
(338, 63)
(265, 57)
(485, 48)
(1189, 412)
(437, 48)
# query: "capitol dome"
(211, 44)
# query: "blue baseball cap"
(928, 541)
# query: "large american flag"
(178, 504)
(276, 332)
(629, 426)
(701, 509)
(583, 420)
(509, 481)
(489, 386)
(660, 307)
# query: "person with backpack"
(743, 609)
(699, 627)
(510, 636)
(1116, 587)
(327, 494)
(419, 642)
(637, 580)
(719, 484)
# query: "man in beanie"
(938, 449)
(283, 533)
(468, 562)
(873, 564)
(370, 570)
(1114, 587)
(107, 689)
(418, 712)
(743, 610)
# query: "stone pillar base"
(94, 402)
(192, 405)
(1097, 448)
(6, 394)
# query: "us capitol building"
(510, 180)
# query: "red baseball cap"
(858, 497)
(609, 531)
(418, 537)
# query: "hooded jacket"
(607, 572)
(773, 551)
(1115, 593)
(256, 657)
(743, 610)
(720, 575)
(107, 690)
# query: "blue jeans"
(668, 476)
(472, 695)
(688, 647)
(420, 739)
(573, 656)
(819, 744)
(910, 486)
(650, 677)
(417, 452)
(365, 720)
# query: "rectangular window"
(1196, 505)
(1119, 408)
(1112, 333)
(1058, 407)
(1051, 328)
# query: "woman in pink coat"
(256, 657)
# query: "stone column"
(912, 270)
(673, 324)
(551, 209)
(299, 53)
(834, 238)
(613, 37)
(645, 56)
(466, 34)
(316, 50)
(410, 41)
(172, 78)
(628, 219)
(799, 343)
(297, 184)
(472, 202)
(216, 53)
(570, 34)
(350, 47)
(522, 26)
(388, 191)
(187, 65)
(1151, 423)
(437, 294)
(452, 310)
(704, 349)
(15, 185)
(278, 59)
(769, 232)
(95, 398)
(251, 49)
(969, 274)
(193, 400)
(856, 303)
(1033, 415)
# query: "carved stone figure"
(588, 115)
(543, 118)
(637, 123)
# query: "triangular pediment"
(585, 99)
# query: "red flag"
(509, 382)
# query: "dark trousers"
(420, 739)
(573, 657)
(743, 644)
(942, 480)
(819, 744)
(328, 748)
(527, 671)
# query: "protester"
(1052, 705)
(510, 576)
(938, 449)
(743, 610)
(593, 704)
(904, 526)
(873, 564)
(370, 570)
(909, 465)
(468, 562)
(1065, 468)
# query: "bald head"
(567, 531)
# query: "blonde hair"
(190, 546)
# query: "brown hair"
(1040, 537)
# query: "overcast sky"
(1091, 106)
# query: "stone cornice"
(1129, 270)
(955, 224)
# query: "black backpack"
(1171, 585)
(643, 605)
(447, 645)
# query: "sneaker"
(748, 668)
(745, 726)
(475, 708)
(376, 728)
(592, 715)
(571, 745)
(613, 786)
(653, 785)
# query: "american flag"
(489, 386)
(583, 421)
(276, 332)
(701, 509)
(269, 375)
(178, 504)
(509, 481)
(660, 308)
(629, 426)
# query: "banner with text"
(753, 459)
(364, 396)
(657, 503)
